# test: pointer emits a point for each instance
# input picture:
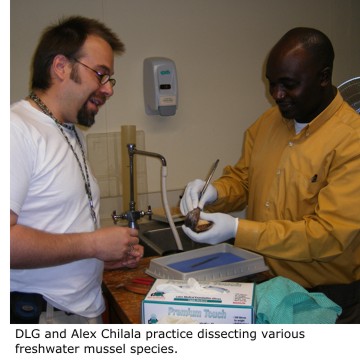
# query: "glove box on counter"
(184, 302)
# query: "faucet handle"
(131, 216)
(149, 212)
(116, 217)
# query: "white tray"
(250, 263)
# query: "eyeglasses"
(103, 78)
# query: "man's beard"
(85, 117)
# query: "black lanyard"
(85, 174)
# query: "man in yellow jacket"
(298, 176)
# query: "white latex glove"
(190, 198)
(224, 228)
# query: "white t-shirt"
(47, 192)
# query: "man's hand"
(190, 199)
(223, 229)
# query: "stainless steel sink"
(158, 239)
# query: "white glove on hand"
(190, 198)
(224, 228)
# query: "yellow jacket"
(303, 195)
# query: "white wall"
(219, 47)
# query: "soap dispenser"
(160, 86)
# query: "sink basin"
(161, 241)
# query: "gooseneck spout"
(132, 150)
(132, 216)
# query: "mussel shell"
(193, 221)
(192, 218)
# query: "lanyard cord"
(85, 175)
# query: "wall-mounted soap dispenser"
(160, 86)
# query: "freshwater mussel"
(193, 221)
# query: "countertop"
(124, 306)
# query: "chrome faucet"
(132, 215)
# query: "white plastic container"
(214, 263)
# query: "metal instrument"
(209, 178)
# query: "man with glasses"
(103, 78)
(58, 250)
